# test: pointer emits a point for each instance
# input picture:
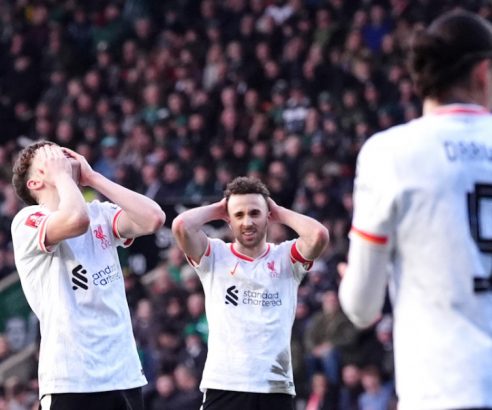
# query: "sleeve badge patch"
(34, 220)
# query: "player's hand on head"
(273, 208)
(222, 210)
(54, 162)
(86, 170)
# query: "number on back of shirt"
(480, 219)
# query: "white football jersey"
(424, 190)
(76, 290)
(250, 306)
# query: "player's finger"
(70, 153)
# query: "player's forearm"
(192, 220)
(363, 286)
(145, 213)
(72, 208)
(313, 236)
(187, 229)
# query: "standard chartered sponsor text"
(105, 276)
(263, 299)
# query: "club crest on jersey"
(99, 233)
(34, 220)
(271, 268)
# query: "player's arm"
(363, 287)
(140, 215)
(71, 218)
(187, 228)
(313, 236)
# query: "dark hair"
(442, 55)
(21, 169)
(246, 185)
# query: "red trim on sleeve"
(42, 236)
(115, 219)
(297, 257)
(377, 239)
(207, 253)
(126, 241)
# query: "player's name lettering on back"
(467, 151)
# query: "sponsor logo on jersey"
(235, 297)
(34, 220)
(107, 275)
(79, 278)
(99, 234)
(233, 271)
(231, 296)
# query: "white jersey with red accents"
(250, 306)
(76, 290)
(424, 191)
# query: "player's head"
(247, 208)
(22, 172)
(449, 53)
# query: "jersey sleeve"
(363, 286)
(205, 266)
(29, 232)
(300, 265)
(374, 193)
(111, 213)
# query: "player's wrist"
(91, 178)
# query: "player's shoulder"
(393, 137)
(282, 247)
(97, 204)
(388, 144)
(29, 216)
(218, 246)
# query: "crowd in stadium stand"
(174, 99)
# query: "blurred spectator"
(4, 348)
(329, 338)
(197, 322)
(376, 396)
(351, 388)
(189, 397)
(323, 395)
(17, 396)
(166, 393)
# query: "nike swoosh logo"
(232, 272)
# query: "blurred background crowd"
(175, 98)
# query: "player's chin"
(250, 240)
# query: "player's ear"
(480, 72)
(34, 184)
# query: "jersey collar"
(246, 257)
(454, 109)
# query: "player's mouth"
(249, 234)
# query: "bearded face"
(248, 215)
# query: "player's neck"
(49, 200)
(252, 252)
(430, 105)
(457, 95)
